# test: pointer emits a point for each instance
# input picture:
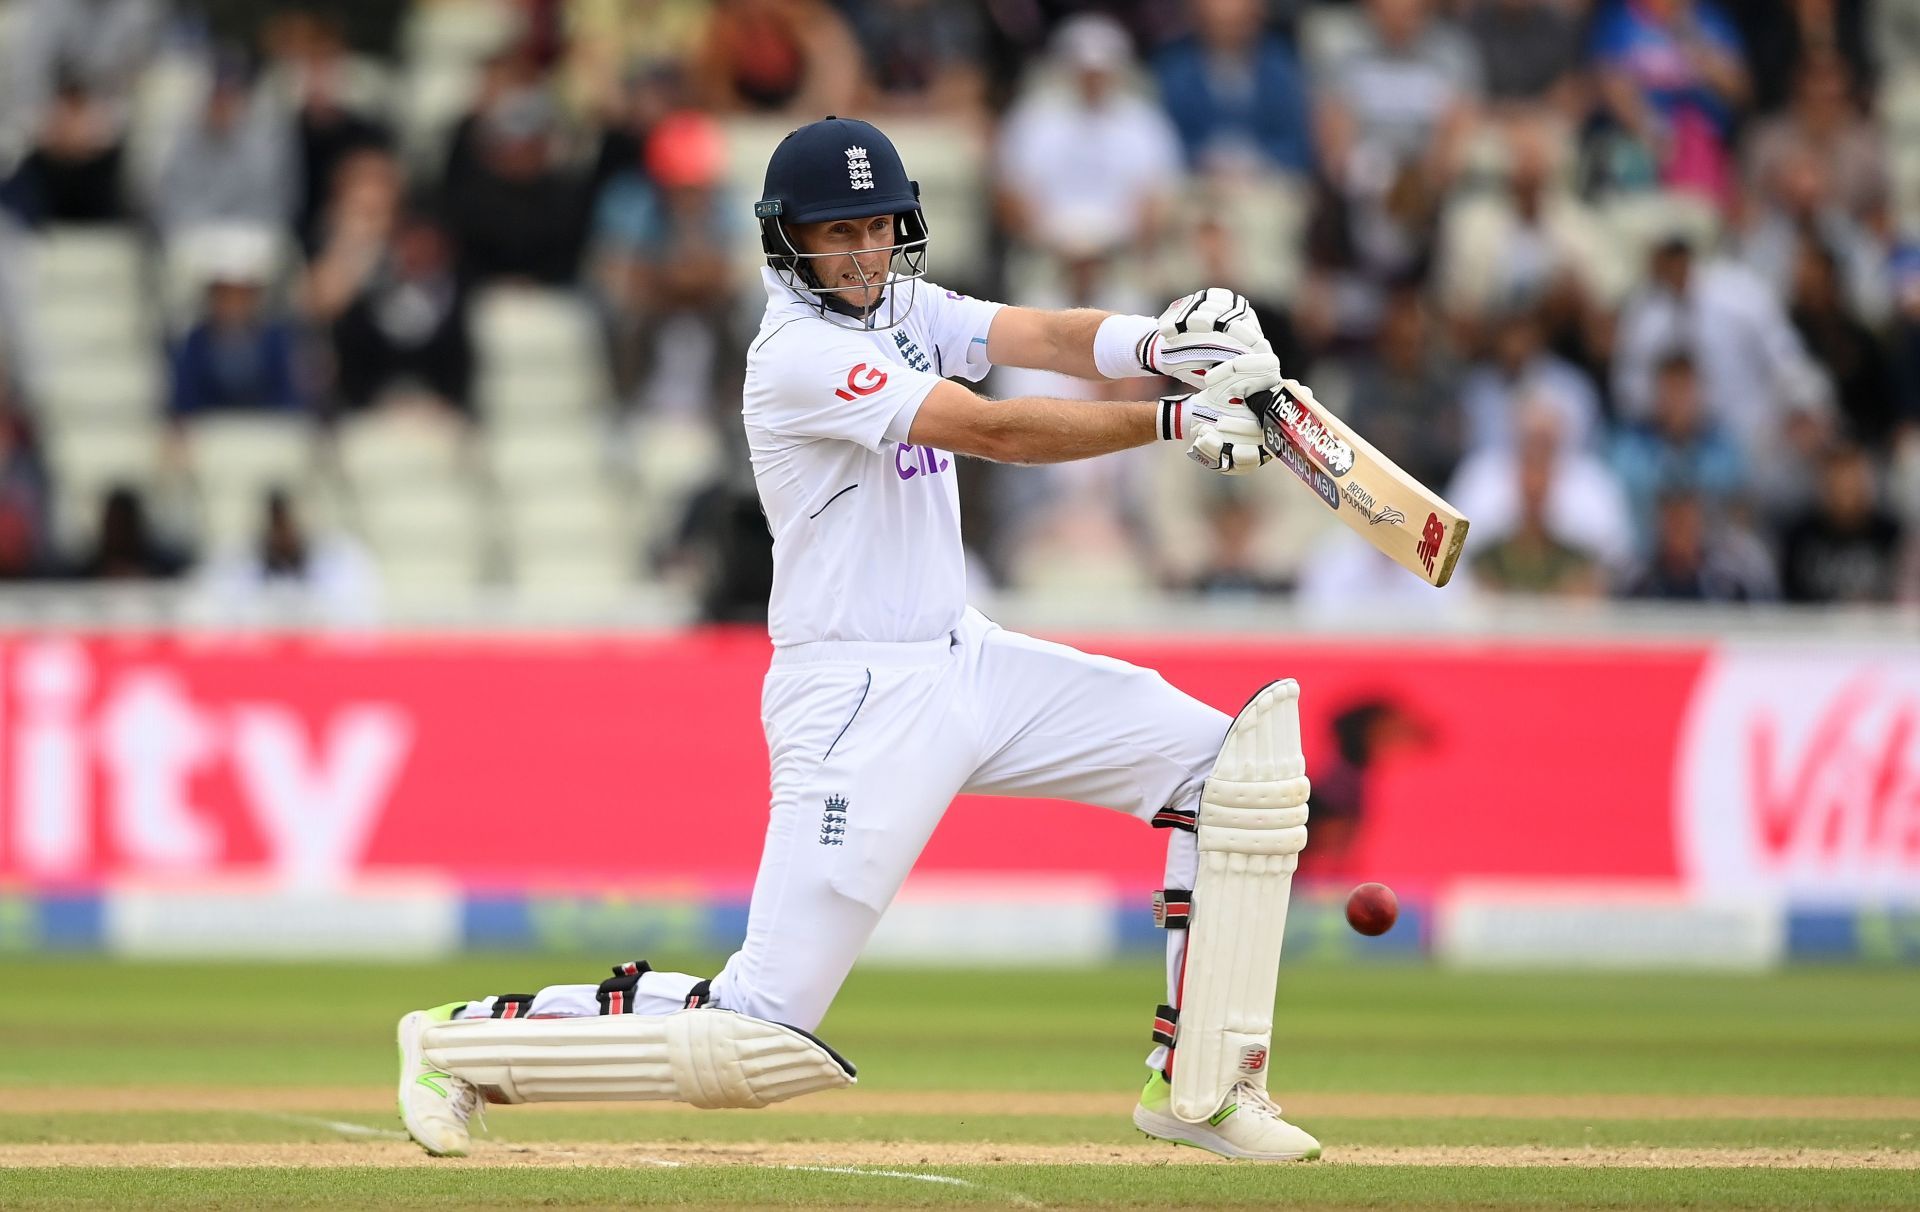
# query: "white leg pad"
(1252, 826)
(706, 1057)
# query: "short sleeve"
(957, 324)
(842, 388)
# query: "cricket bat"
(1411, 523)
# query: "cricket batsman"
(887, 695)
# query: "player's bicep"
(953, 418)
(1021, 337)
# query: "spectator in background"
(1235, 91)
(101, 44)
(505, 79)
(1519, 367)
(127, 549)
(518, 213)
(1530, 555)
(1823, 122)
(239, 356)
(724, 548)
(1756, 377)
(1233, 567)
(73, 174)
(1850, 352)
(328, 129)
(1691, 563)
(779, 56)
(1845, 548)
(923, 56)
(1583, 506)
(235, 165)
(1405, 395)
(625, 125)
(24, 549)
(363, 209)
(664, 239)
(1672, 77)
(404, 335)
(1782, 36)
(1676, 449)
(1086, 167)
(1401, 100)
(292, 575)
(1533, 237)
(1531, 50)
(614, 46)
(1799, 207)
(1904, 343)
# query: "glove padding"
(1226, 432)
(1201, 330)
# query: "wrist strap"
(1171, 420)
(1123, 347)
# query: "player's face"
(859, 255)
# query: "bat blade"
(1409, 522)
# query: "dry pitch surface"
(265, 1087)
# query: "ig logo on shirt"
(862, 380)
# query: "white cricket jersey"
(866, 527)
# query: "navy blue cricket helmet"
(842, 168)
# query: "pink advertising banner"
(513, 762)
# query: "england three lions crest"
(859, 169)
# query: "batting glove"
(1201, 330)
(1222, 432)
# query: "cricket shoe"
(434, 1104)
(1247, 1125)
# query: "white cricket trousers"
(868, 745)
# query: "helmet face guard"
(906, 263)
(827, 171)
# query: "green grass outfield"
(244, 1085)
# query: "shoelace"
(1253, 1098)
(468, 1105)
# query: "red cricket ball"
(1372, 908)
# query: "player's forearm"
(1059, 341)
(1038, 429)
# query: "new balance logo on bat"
(1314, 438)
(1299, 464)
(1431, 537)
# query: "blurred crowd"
(1634, 283)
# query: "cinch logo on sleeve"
(862, 380)
(910, 461)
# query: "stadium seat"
(235, 460)
(438, 526)
(386, 448)
(669, 459)
(1639, 220)
(86, 327)
(522, 329)
(95, 264)
(541, 457)
(128, 389)
(533, 394)
(458, 31)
